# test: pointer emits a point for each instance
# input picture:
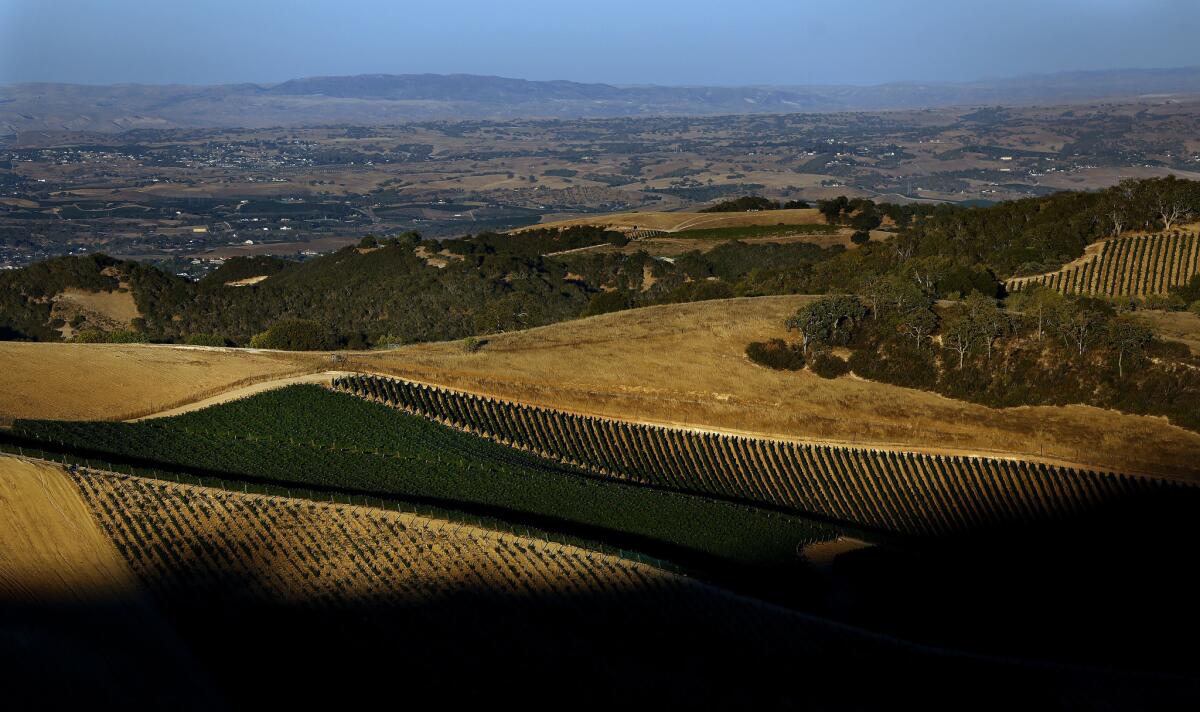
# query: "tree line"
(1036, 348)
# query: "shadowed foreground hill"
(284, 600)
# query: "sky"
(669, 42)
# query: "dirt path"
(323, 378)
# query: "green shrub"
(826, 365)
(206, 340)
(777, 354)
(1194, 307)
(1168, 302)
(296, 335)
(605, 302)
(119, 336)
(473, 344)
(861, 237)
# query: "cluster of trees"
(1039, 348)
(297, 335)
(1041, 234)
(751, 203)
(492, 282)
(864, 214)
(1149, 205)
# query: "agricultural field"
(251, 582)
(1132, 266)
(899, 492)
(685, 365)
(307, 436)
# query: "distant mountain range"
(392, 98)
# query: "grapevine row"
(186, 541)
(1128, 266)
(905, 492)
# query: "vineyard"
(184, 541)
(308, 436)
(263, 587)
(1126, 266)
(886, 490)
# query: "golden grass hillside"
(677, 364)
(685, 365)
(674, 222)
(50, 547)
(121, 381)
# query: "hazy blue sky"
(616, 41)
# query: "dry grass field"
(123, 381)
(117, 306)
(50, 547)
(1180, 326)
(676, 365)
(685, 365)
(675, 222)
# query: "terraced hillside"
(1126, 266)
(888, 490)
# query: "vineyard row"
(904, 492)
(188, 541)
(1128, 266)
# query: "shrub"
(205, 340)
(826, 365)
(899, 363)
(1168, 302)
(473, 344)
(296, 335)
(861, 237)
(777, 354)
(119, 336)
(1195, 307)
(740, 205)
(605, 302)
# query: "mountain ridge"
(397, 98)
